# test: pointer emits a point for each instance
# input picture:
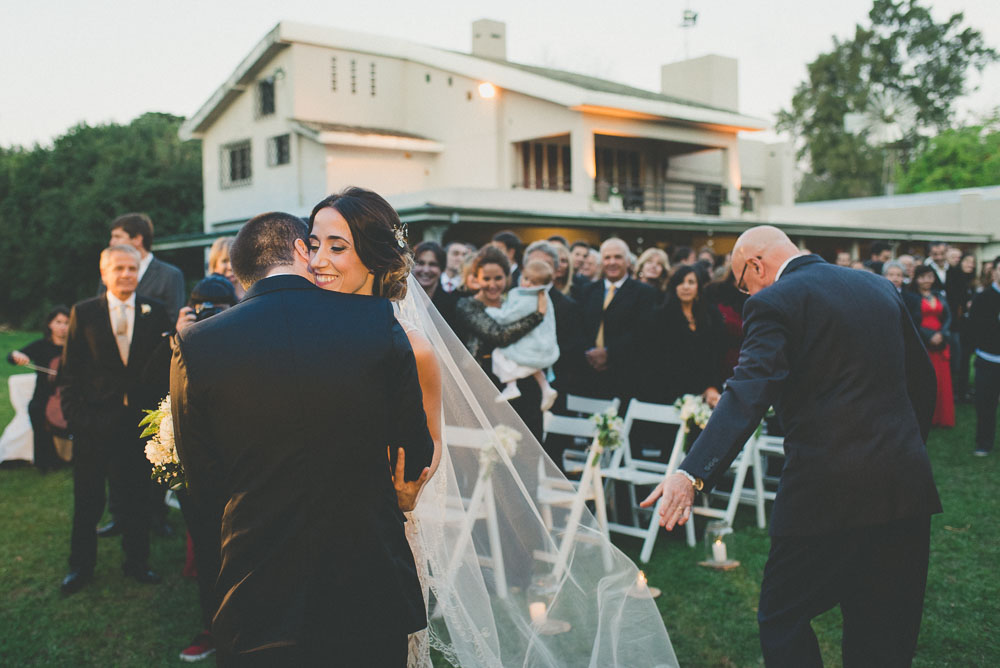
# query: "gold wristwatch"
(697, 483)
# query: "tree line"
(903, 69)
(56, 203)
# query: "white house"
(465, 144)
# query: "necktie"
(599, 341)
(121, 332)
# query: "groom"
(284, 407)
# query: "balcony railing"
(670, 197)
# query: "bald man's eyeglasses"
(740, 285)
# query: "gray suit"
(163, 282)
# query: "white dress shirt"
(617, 284)
(114, 304)
(784, 264)
(144, 264)
(450, 284)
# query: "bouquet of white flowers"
(694, 411)
(610, 431)
(160, 449)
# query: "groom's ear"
(302, 250)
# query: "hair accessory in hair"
(400, 232)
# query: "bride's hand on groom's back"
(407, 493)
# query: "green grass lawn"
(711, 616)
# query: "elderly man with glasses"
(836, 354)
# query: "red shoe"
(202, 647)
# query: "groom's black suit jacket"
(285, 405)
(835, 352)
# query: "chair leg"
(496, 552)
(758, 485)
(651, 533)
(689, 530)
(635, 504)
(738, 480)
(602, 518)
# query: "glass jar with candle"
(715, 542)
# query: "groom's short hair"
(265, 242)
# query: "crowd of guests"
(543, 320)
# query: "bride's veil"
(489, 545)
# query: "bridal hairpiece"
(400, 232)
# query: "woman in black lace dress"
(481, 334)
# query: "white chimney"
(710, 80)
(489, 39)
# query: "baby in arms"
(538, 349)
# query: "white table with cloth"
(17, 441)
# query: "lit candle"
(537, 612)
(640, 583)
(719, 550)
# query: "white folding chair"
(766, 446)
(745, 460)
(581, 428)
(626, 467)
(560, 492)
(480, 505)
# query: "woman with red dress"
(930, 313)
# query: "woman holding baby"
(484, 331)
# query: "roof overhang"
(195, 126)
(366, 138)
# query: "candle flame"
(642, 579)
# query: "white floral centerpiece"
(695, 411)
(610, 432)
(504, 437)
(160, 449)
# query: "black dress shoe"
(74, 582)
(143, 575)
(112, 528)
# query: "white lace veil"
(482, 502)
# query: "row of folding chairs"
(638, 467)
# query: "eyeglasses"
(740, 285)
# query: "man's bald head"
(758, 254)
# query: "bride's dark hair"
(378, 238)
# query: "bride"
(483, 547)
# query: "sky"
(68, 61)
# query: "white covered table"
(17, 441)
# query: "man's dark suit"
(106, 432)
(569, 336)
(835, 352)
(631, 305)
(284, 407)
(162, 281)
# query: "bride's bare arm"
(429, 375)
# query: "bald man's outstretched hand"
(677, 496)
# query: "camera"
(207, 310)
(211, 296)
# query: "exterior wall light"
(487, 90)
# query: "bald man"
(835, 352)
(612, 311)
